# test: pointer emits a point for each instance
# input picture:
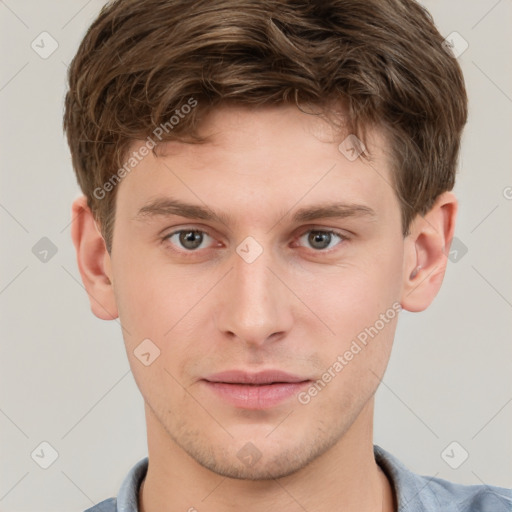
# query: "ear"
(426, 249)
(93, 261)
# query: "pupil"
(191, 239)
(319, 240)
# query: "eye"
(188, 239)
(321, 239)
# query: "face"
(265, 269)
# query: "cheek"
(140, 298)
(362, 309)
(356, 295)
(360, 304)
(158, 301)
(149, 306)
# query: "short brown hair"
(383, 59)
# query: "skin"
(295, 308)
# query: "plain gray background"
(65, 378)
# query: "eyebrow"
(166, 207)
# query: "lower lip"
(254, 397)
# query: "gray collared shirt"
(415, 493)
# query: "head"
(266, 184)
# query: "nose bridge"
(254, 305)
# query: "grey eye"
(189, 239)
(321, 239)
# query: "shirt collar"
(413, 492)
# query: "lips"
(260, 390)
(263, 377)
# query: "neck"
(345, 477)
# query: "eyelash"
(341, 236)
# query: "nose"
(254, 306)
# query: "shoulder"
(127, 497)
(419, 493)
(109, 505)
(469, 498)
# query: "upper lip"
(262, 377)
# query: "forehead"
(262, 159)
(277, 129)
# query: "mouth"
(255, 391)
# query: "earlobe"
(426, 250)
(93, 261)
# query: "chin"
(262, 468)
(260, 459)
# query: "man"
(266, 185)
